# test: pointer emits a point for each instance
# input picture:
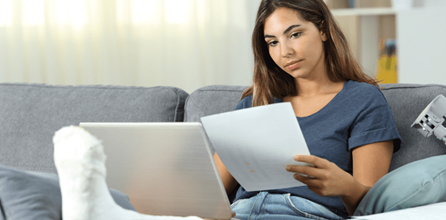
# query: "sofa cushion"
(415, 184)
(31, 113)
(407, 102)
(33, 195)
(211, 100)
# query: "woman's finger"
(311, 159)
(309, 181)
(307, 171)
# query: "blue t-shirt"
(357, 115)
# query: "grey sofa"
(31, 113)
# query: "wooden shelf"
(363, 12)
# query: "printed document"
(256, 144)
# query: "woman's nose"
(286, 50)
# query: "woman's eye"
(272, 43)
(295, 35)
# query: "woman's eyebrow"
(290, 28)
(284, 32)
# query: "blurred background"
(396, 41)
(194, 43)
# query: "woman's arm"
(228, 181)
(370, 163)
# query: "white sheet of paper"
(256, 144)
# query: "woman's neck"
(317, 86)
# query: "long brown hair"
(271, 81)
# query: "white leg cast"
(80, 163)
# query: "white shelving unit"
(421, 41)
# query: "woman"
(302, 57)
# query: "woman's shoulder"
(362, 87)
(246, 102)
(364, 92)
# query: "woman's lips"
(293, 65)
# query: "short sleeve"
(374, 123)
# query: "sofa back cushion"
(31, 113)
(407, 102)
(211, 100)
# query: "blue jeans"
(280, 207)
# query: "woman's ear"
(323, 36)
(322, 33)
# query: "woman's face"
(295, 45)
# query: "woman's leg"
(267, 206)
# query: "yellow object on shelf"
(387, 63)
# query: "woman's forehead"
(281, 19)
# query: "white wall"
(182, 43)
(421, 45)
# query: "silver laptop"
(164, 168)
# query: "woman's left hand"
(325, 178)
